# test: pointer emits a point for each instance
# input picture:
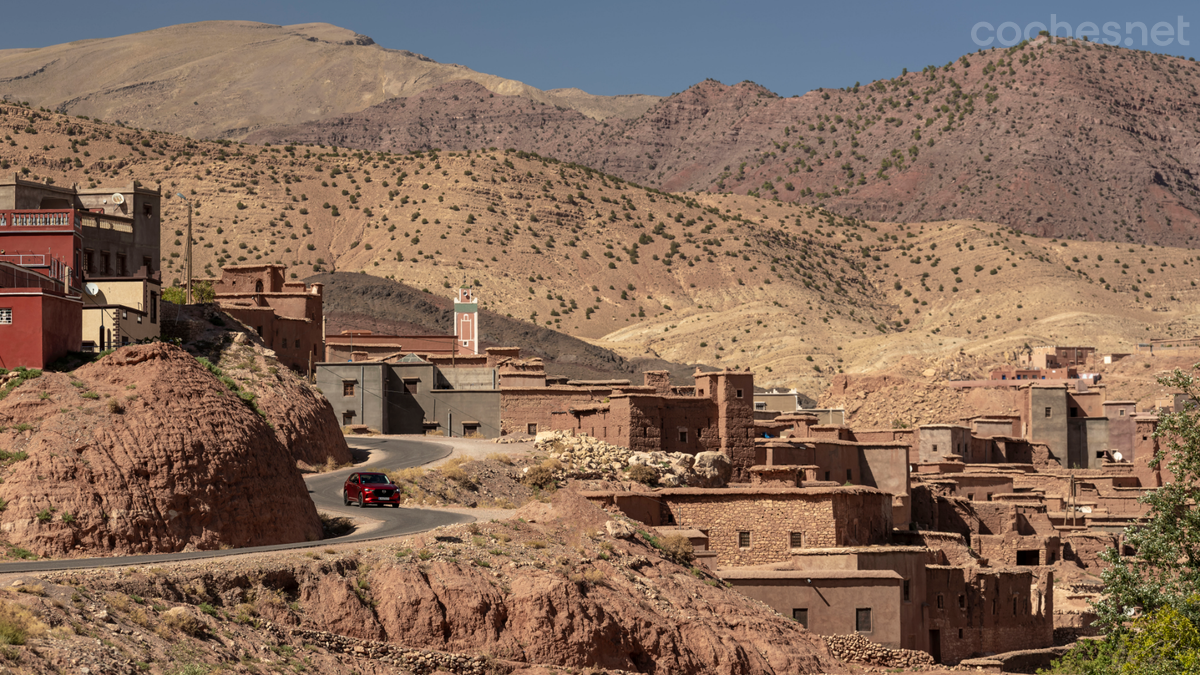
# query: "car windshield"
(375, 479)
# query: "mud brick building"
(289, 316)
(718, 414)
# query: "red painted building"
(39, 321)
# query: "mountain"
(224, 79)
(1058, 139)
(797, 293)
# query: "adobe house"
(289, 316)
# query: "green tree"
(1164, 571)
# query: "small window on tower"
(348, 388)
(739, 393)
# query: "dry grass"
(117, 601)
(411, 475)
(501, 457)
(17, 624)
(181, 620)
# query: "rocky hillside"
(1063, 139)
(144, 451)
(362, 301)
(303, 419)
(548, 592)
(795, 292)
(224, 79)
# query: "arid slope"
(1063, 139)
(223, 79)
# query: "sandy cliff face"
(145, 451)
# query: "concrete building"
(121, 310)
(39, 318)
(413, 395)
(102, 243)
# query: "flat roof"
(748, 573)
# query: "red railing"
(57, 219)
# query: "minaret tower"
(466, 321)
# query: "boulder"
(619, 529)
(712, 470)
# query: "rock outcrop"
(144, 451)
(552, 595)
(589, 458)
(303, 418)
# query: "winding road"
(387, 454)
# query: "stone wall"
(824, 517)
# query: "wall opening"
(1028, 558)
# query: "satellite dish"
(118, 198)
(91, 289)
(1118, 457)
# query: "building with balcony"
(97, 248)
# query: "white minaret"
(466, 321)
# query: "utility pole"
(187, 251)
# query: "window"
(258, 286)
(743, 540)
(347, 418)
(905, 593)
(797, 540)
(283, 343)
(962, 601)
(124, 315)
(1047, 412)
(826, 475)
(88, 259)
(154, 308)
(147, 264)
(800, 616)
(960, 634)
(1074, 411)
(849, 475)
(348, 387)
(1121, 412)
(739, 393)
(683, 436)
(941, 601)
(935, 447)
(1015, 605)
(147, 210)
(469, 429)
(532, 428)
(6, 316)
(862, 620)
(104, 260)
(121, 266)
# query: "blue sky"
(650, 47)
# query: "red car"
(370, 488)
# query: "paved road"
(326, 491)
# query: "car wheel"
(345, 498)
(361, 503)
(395, 506)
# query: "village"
(959, 540)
